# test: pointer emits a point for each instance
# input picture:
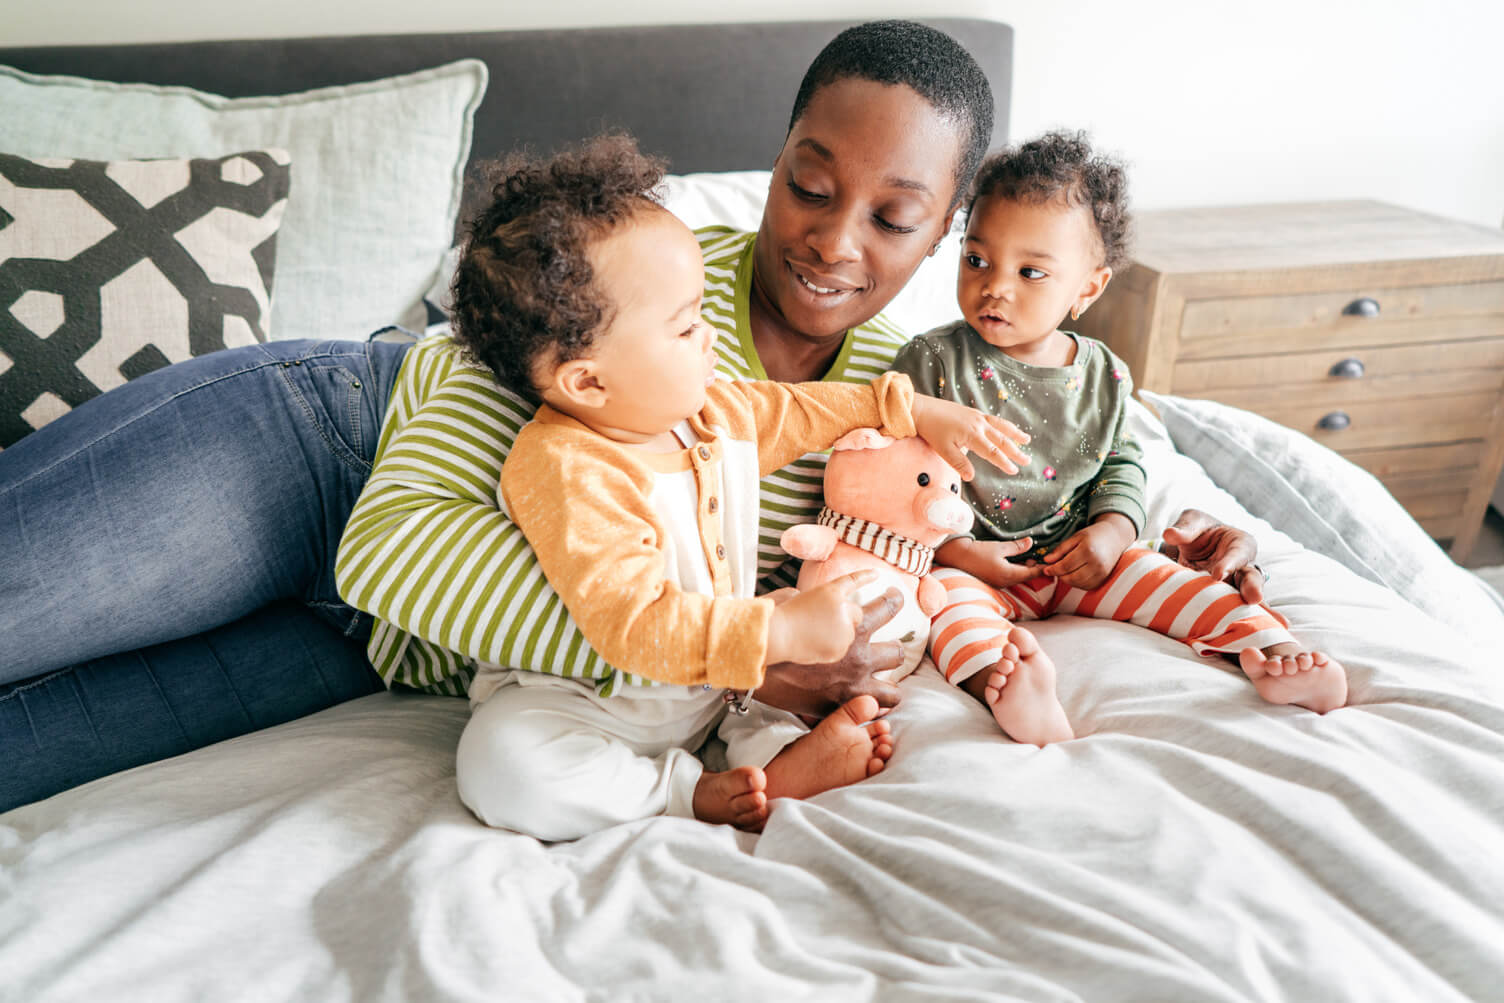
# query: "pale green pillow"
(377, 174)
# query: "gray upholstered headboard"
(709, 97)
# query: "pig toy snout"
(949, 513)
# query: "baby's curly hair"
(1061, 165)
(524, 285)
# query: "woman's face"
(861, 193)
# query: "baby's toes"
(1303, 662)
(750, 811)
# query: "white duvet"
(1193, 844)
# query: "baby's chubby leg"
(1020, 691)
(976, 647)
(550, 761)
(1289, 674)
(1151, 590)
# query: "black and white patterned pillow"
(109, 270)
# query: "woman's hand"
(818, 624)
(953, 429)
(816, 690)
(1225, 552)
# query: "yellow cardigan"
(586, 505)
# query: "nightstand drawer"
(1440, 462)
(1371, 424)
(1437, 506)
(1284, 322)
(1349, 373)
(1431, 482)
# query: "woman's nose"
(833, 238)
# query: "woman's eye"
(804, 194)
(1031, 273)
(894, 227)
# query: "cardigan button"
(712, 505)
(720, 552)
(704, 452)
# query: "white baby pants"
(546, 757)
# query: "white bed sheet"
(1194, 844)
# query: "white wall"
(1210, 102)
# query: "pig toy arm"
(809, 542)
(931, 595)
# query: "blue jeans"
(167, 560)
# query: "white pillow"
(377, 174)
(1328, 505)
(736, 198)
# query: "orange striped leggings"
(1146, 588)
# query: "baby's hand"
(1087, 557)
(989, 561)
(953, 429)
(817, 625)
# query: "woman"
(167, 551)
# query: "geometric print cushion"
(109, 270)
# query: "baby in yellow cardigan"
(636, 484)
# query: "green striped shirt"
(450, 580)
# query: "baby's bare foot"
(736, 797)
(845, 747)
(1020, 690)
(1285, 674)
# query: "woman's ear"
(950, 219)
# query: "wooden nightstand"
(1376, 330)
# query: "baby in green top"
(1047, 224)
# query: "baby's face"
(654, 357)
(1023, 266)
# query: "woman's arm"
(427, 548)
(816, 690)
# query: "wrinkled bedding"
(1193, 844)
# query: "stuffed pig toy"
(888, 503)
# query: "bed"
(1192, 844)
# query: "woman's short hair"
(922, 58)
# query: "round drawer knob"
(1334, 422)
(1363, 306)
(1347, 369)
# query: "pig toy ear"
(863, 438)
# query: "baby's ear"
(863, 438)
(575, 385)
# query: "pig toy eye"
(955, 489)
(924, 480)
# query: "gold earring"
(1075, 313)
